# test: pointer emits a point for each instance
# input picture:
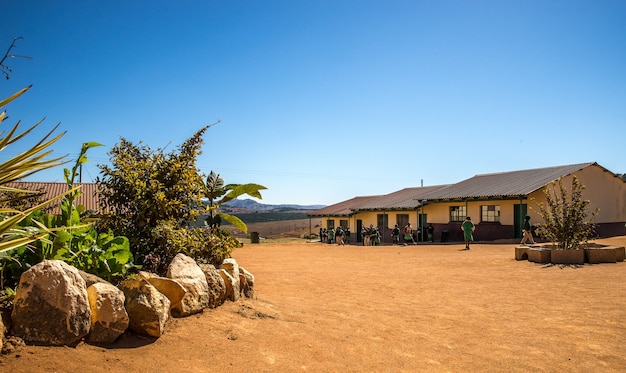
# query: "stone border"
(591, 255)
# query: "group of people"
(408, 236)
(338, 235)
(371, 235)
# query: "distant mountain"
(249, 204)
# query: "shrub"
(565, 217)
(202, 244)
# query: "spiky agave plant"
(26, 163)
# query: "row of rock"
(56, 304)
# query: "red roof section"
(88, 198)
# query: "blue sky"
(322, 101)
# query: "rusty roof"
(513, 184)
(344, 208)
(88, 197)
(407, 198)
(505, 184)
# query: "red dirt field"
(430, 308)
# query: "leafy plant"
(203, 245)
(217, 194)
(567, 222)
(14, 236)
(144, 188)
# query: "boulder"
(172, 289)
(228, 282)
(246, 280)
(217, 288)
(230, 265)
(109, 318)
(186, 271)
(148, 310)
(51, 306)
(3, 330)
(90, 279)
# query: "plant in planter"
(567, 222)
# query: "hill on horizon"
(250, 204)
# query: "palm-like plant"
(26, 163)
(217, 194)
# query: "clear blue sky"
(325, 100)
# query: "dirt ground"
(430, 308)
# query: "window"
(402, 220)
(330, 224)
(381, 220)
(457, 213)
(343, 223)
(490, 213)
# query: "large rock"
(230, 265)
(90, 279)
(3, 330)
(217, 287)
(148, 309)
(228, 282)
(51, 305)
(172, 289)
(246, 280)
(109, 318)
(186, 271)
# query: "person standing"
(331, 236)
(408, 234)
(431, 232)
(527, 233)
(395, 233)
(347, 232)
(339, 236)
(468, 231)
(365, 235)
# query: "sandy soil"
(324, 308)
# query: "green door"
(519, 211)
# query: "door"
(359, 225)
(519, 211)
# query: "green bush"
(202, 244)
(567, 222)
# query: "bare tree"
(6, 70)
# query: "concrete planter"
(560, 256)
(539, 255)
(592, 254)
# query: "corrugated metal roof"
(88, 197)
(344, 208)
(407, 198)
(505, 184)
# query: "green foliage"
(14, 236)
(70, 239)
(203, 245)
(565, 217)
(151, 197)
(217, 194)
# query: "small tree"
(566, 221)
(143, 188)
(217, 194)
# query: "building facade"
(497, 204)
